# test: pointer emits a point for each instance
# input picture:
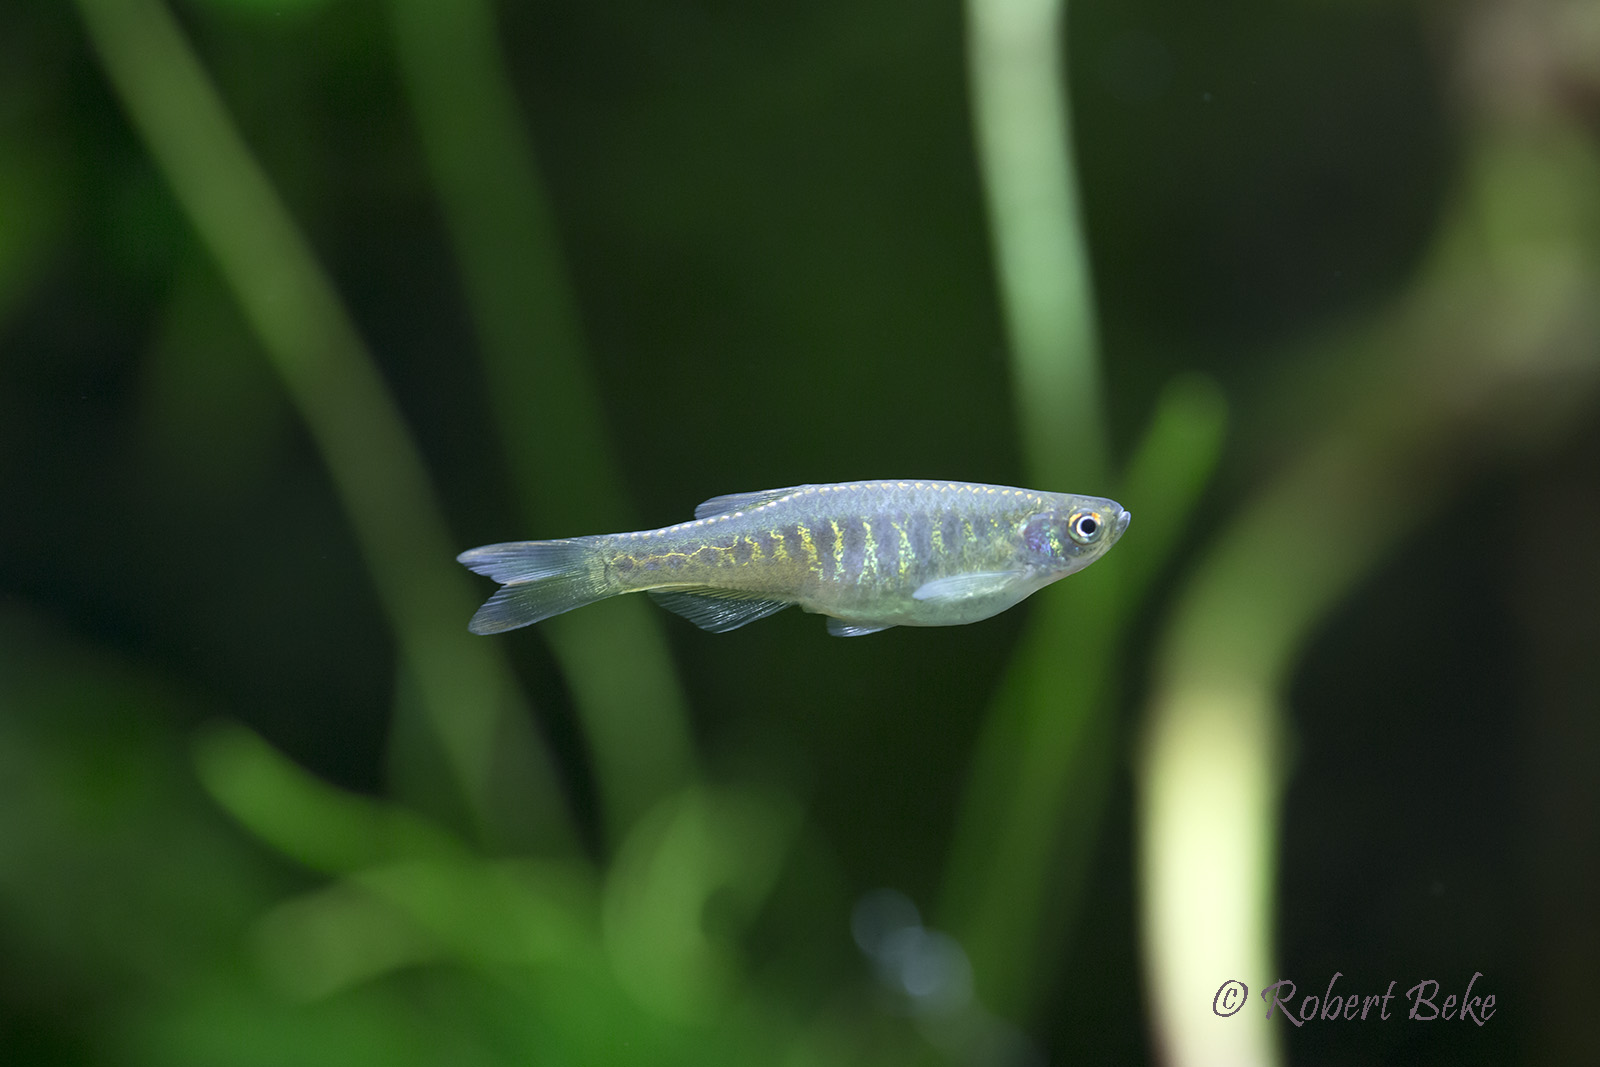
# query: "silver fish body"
(869, 555)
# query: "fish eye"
(1084, 526)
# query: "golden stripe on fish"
(902, 547)
(868, 569)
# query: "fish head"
(1071, 534)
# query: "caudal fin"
(541, 579)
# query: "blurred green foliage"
(298, 299)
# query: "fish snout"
(1120, 523)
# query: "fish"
(868, 555)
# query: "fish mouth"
(1120, 523)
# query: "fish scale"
(869, 555)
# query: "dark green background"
(773, 223)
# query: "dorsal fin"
(723, 505)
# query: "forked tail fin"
(541, 579)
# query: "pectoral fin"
(717, 610)
(965, 586)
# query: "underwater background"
(300, 299)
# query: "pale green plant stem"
(1037, 781)
(310, 341)
(543, 399)
(1023, 127)
(1494, 349)
(1212, 768)
(1025, 836)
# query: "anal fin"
(717, 610)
